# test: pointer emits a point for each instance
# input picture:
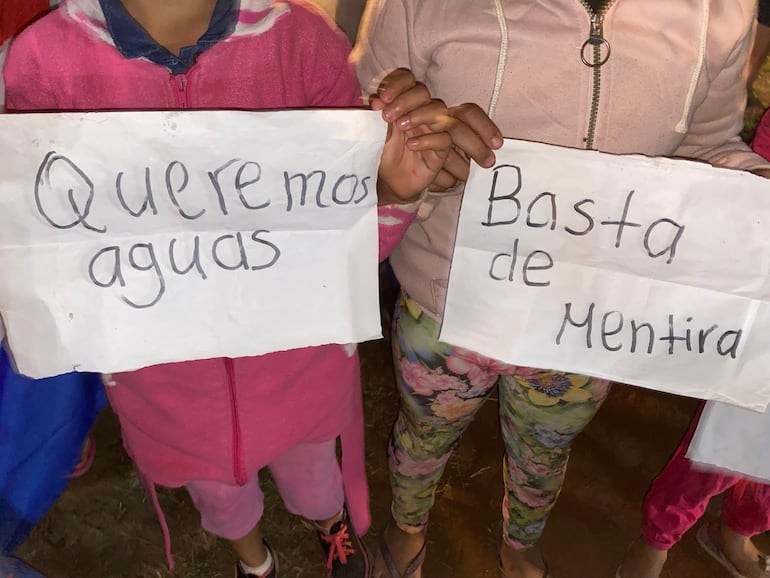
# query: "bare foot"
(526, 563)
(643, 561)
(404, 547)
(740, 550)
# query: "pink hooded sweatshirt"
(217, 419)
(666, 79)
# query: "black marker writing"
(241, 185)
(589, 219)
(503, 266)
(151, 264)
(677, 335)
(67, 172)
(660, 239)
(149, 199)
(677, 232)
(175, 189)
(513, 172)
(550, 208)
(195, 260)
(623, 223)
(114, 266)
(304, 179)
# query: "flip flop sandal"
(411, 568)
(705, 541)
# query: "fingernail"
(497, 142)
(489, 161)
(404, 122)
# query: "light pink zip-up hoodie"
(217, 419)
(673, 85)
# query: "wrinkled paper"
(647, 271)
(132, 239)
(733, 439)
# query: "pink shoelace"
(341, 547)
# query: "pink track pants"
(680, 494)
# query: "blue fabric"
(133, 41)
(43, 424)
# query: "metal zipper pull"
(596, 43)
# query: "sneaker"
(345, 554)
(272, 572)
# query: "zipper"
(239, 471)
(179, 85)
(600, 50)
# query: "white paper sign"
(651, 272)
(132, 239)
(733, 439)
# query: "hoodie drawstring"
(501, 59)
(683, 125)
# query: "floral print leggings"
(441, 389)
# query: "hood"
(254, 17)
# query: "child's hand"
(474, 136)
(417, 143)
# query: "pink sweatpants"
(309, 481)
(680, 494)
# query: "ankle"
(259, 569)
(643, 561)
(729, 538)
(518, 559)
(325, 526)
(405, 537)
(254, 556)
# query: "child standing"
(618, 76)
(678, 498)
(42, 422)
(211, 425)
(680, 494)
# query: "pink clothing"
(218, 420)
(673, 86)
(307, 476)
(680, 494)
(761, 142)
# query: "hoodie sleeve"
(713, 134)
(393, 222)
(386, 41)
(384, 44)
(321, 58)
